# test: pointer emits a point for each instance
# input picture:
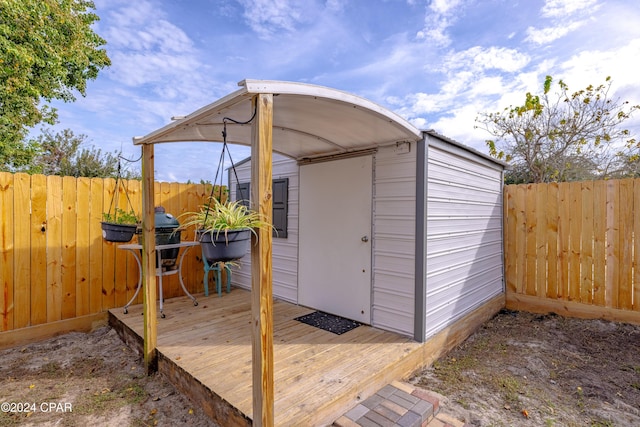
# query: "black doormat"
(328, 322)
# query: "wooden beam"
(31, 334)
(261, 269)
(149, 261)
(565, 308)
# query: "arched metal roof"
(308, 121)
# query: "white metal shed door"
(335, 230)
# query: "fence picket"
(83, 245)
(7, 285)
(509, 218)
(625, 284)
(521, 238)
(586, 243)
(552, 240)
(599, 242)
(575, 225)
(54, 248)
(68, 245)
(95, 249)
(22, 250)
(109, 250)
(541, 240)
(564, 216)
(532, 245)
(38, 249)
(613, 252)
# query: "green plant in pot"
(119, 226)
(224, 229)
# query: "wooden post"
(261, 273)
(149, 261)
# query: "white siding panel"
(394, 240)
(285, 251)
(464, 258)
(448, 312)
(438, 226)
(394, 228)
(464, 235)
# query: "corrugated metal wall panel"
(468, 285)
(460, 225)
(285, 251)
(394, 240)
(450, 310)
(464, 234)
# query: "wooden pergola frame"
(261, 268)
(314, 122)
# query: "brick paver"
(398, 404)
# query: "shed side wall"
(285, 250)
(394, 239)
(464, 254)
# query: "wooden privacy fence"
(54, 264)
(576, 242)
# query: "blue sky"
(436, 63)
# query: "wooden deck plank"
(314, 370)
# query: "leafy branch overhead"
(48, 51)
(564, 136)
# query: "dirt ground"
(524, 369)
(519, 369)
(85, 380)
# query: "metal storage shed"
(424, 215)
(427, 268)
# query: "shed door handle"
(365, 239)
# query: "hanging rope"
(225, 152)
(115, 191)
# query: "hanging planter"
(112, 232)
(224, 229)
(119, 226)
(224, 247)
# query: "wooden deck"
(206, 352)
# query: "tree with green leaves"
(48, 51)
(62, 153)
(564, 136)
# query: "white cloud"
(488, 86)
(563, 8)
(440, 15)
(147, 49)
(565, 16)
(493, 58)
(425, 103)
(444, 7)
(268, 17)
(449, 125)
(547, 35)
(593, 66)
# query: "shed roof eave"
(164, 133)
(465, 147)
(305, 89)
(303, 104)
